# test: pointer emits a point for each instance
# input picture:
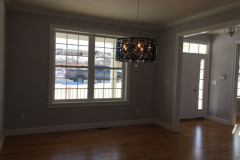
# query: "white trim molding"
(216, 119)
(201, 15)
(22, 131)
(164, 125)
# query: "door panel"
(188, 86)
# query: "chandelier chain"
(137, 17)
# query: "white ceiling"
(152, 12)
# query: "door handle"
(195, 90)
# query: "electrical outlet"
(23, 116)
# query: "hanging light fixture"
(231, 31)
(136, 49)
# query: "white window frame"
(90, 101)
(207, 43)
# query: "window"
(201, 84)
(238, 84)
(195, 48)
(84, 69)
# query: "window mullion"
(91, 56)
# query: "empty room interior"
(119, 80)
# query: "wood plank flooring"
(197, 140)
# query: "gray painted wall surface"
(2, 44)
(221, 63)
(238, 108)
(166, 59)
(201, 37)
(27, 77)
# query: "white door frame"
(233, 111)
(178, 72)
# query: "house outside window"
(83, 69)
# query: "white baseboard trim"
(216, 119)
(22, 131)
(164, 125)
(1, 142)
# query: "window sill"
(87, 104)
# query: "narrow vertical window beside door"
(201, 84)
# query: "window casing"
(83, 69)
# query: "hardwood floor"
(197, 140)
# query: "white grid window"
(84, 69)
(195, 48)
(238, 86)
(201, 84)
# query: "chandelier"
(136, 49)
(231, 31)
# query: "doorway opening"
(207, 85)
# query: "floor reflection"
(198, 142)
(98, 153)
(236, 141)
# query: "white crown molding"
(200, 15)
(60, 14)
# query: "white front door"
(194, 86)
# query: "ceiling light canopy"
(136, 49)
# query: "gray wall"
(166, 59)
(221, 63)
(2, 51)
(201, 37)
(27, 77)
(238, 108)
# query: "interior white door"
(194, 86)
(188, 87)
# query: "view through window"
(84, 76)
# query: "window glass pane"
(83, 51)
(202, 64)
(201, 74)
(200, 104)
(110, 43)
(82, 93)
(71, 93)
(60, 72)
(202, 49)
(72, 50)
(107, 93)
(238, 92)
(99, 42)
(117, 93)
(60, 60)
(98, 93)
(60, 88)
(79, 75)
(185, 47)
(99, 52)
(109, 53)
(200, 84)
(72, 60)
(200, 94)
(61, 49)
(193, 48)
(73, 39)
(83, 40)
(82, 61)
(60, 93)
(61, 38)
